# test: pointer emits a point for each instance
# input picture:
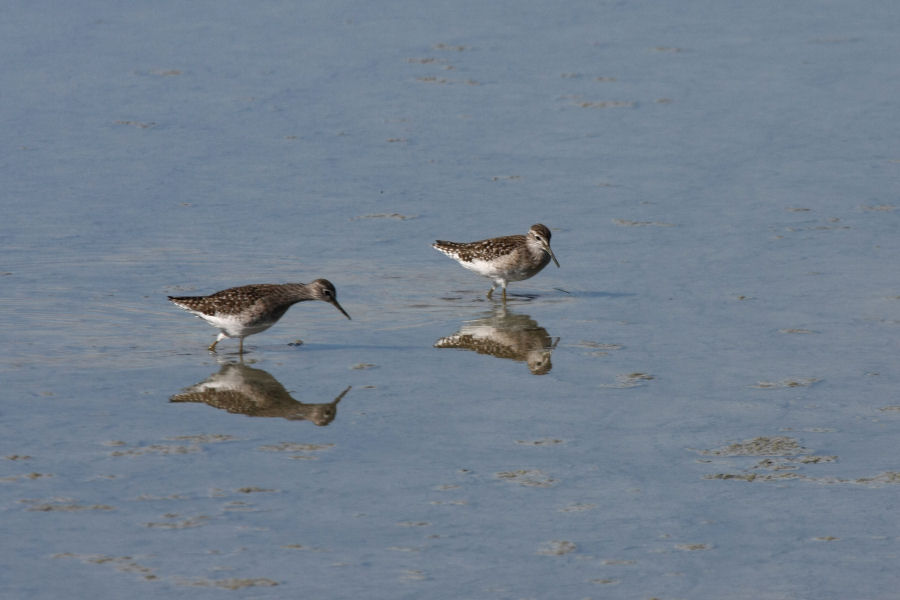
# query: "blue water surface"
(700, 403)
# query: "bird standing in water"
(504, 259)
(248, 309)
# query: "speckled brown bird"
(248, 309)
(504, 259)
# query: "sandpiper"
(504, 259)
(248, 309)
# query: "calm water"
(700, 403)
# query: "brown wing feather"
(482, 249)
(228, 301)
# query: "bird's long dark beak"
(550, 252)
(338, 306)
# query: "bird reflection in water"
(244, 390)
(506, 334)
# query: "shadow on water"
(505, 334)
(245, 390)
(595, 294)
(515, 297)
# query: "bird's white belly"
(221, 382)
(232, 326)
(497, 272)
(482, 332)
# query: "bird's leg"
(221, 336)
(241, 348)
(491, 291)
(504, 293)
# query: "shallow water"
(700, 403)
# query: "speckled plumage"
(503, 259)
(248, 309)
(245, 390)
(506, 335)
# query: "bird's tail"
(188, 302)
